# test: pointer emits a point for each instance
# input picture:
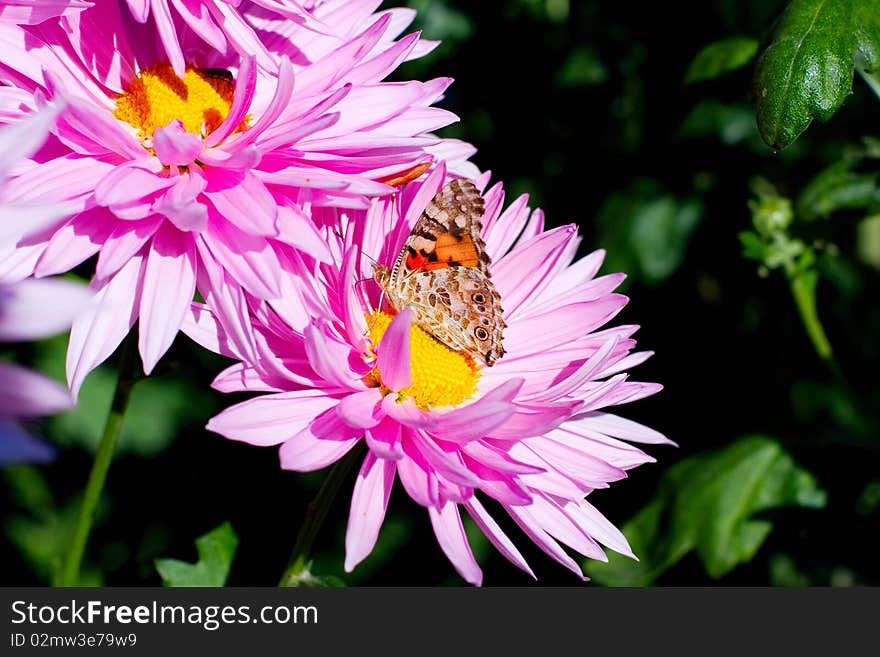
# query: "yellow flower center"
(201, 100)
(440, 375)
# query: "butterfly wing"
(461, 309)
(442, 275)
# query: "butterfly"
(442, 275)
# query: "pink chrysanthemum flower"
(204, 182)
(30, 310)
(532, 433)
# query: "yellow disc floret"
(200, 101)
(440, 375)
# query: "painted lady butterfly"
(442, 275)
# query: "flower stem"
(316, 512)
(69, 575)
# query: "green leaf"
(646, 230)
(868, 241)
(582, 68)
(306, 579)
(806, 71)
(721, 57)
(732, 124)
(216, 550)
(709, 504)
(837, 188)
(753, 246)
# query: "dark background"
(582, 105)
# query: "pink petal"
(241, 35)
(362, 410)
(98, 331)
(561, 525)
(175, 146)
(244, 201)
(448, 464)
(416, 475)
(472, 422)
(453, 541)
(230, 303)
(308, 451)
(528, 523)
(353, 309)
(181, 204)
(127, 239)
(296, 228)
(271, 419)
(24, 393)
(241, 377)
(21, 139)
(524, 272)
(201, 326)
(615, 452)
(35, 309)
(613, 425)
(79, 239)
(384, 439)
(89, 128)
(599, 527)
(130, 182)
(140, 9)
(328, 357)
(280, 100)
(20, 222)
(495, 534)
(369, 502)
(579, 465)
(249, 260)
(166, 293)
(245, 86)
(198, 17)
(561, 325)
(393, 358)
(168, 35)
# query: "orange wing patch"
(446, 251)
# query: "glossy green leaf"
(710, 504)
(806, 71)
(837, 188)
(216, 550)
(721, 57)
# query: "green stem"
(69, 575)
(316, 512)
(806, 305)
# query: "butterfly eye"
(481, 333)
(478, 297)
